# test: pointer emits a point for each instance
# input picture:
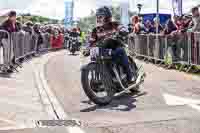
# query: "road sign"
(69, 12)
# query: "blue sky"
(55, 8)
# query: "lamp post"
(157, 28)
(157, 16)
(139, 6)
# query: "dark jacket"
(7, 25)
(28, 29)
(103, 36)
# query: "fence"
(182, 48)
(19, 45)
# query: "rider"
(106, 27)
(74, 33)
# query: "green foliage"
(116, 13)
(35, 19)
(90, 21)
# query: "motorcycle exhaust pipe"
(129, 88)
(139, 81)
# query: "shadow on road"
(121, 103)
(5, 75)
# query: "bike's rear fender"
(86, 67)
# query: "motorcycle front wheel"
(96, 79)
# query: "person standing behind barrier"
(28, 27)
(196, 19)
(55, 40)
(10, 25)
(157, 22)
(136, 26)
(149, 27)
(61, 38)
(36, 29)
(169, 27)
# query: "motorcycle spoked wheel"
(101, 81)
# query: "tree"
(34, 19)
(116, 13)
(90, 21)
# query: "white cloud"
(51, 8)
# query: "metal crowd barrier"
(6, 52)
(195, 49)
(19, 45)
(45, 46)
(24, 44)
(147, 46)
(181, 48)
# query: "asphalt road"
(147, 113)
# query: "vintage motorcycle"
(73, 45)
(102, 79)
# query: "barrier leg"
(160, 63)
(18, 64)
(188, 70)
(170, 66)
(182, 66)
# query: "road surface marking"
(176, 100)
(194, 106)
(8, 121)
(75, 130)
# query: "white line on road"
(56, 105)
(8, 121)
(194, 106)
(75, 130)
(176, 100)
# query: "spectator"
(141, 25)
(157, 22)
(178, 23)
(186, 23)
(136, 26)
(56, 40)
(36, 30)
(10, 24)
(169, 27)
(130, 28)
(29, 27)
(196, 19)
(149, 27)
(61, 37)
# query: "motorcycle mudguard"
(85, 67)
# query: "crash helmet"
(103, 16)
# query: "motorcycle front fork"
(118, 77)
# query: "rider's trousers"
(119, 54)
